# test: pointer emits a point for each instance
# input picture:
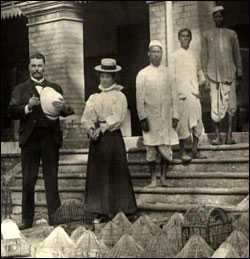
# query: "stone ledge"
(158, 190)
(170, 175)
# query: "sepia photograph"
(125, 129)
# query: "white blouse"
(109, 108)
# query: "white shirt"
(185, 72)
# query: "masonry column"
(194, 15)
(56, 30)
(157, 23)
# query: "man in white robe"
(157, 111)
(186, 76)
(222, 66)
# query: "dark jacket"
(19, 99)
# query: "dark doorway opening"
(120, 30)
(14, 59)
(236, 17)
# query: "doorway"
(237, 18)
(14, 70)
(120, 30)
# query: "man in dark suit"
(40, 138)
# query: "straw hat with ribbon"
(108, 65)
(47, 97)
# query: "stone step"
(240, 137)
(224, 151)
(239, 164)
(179, 195)
(174, 179)
(196, 165)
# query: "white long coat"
(186, 75)
(156, 101)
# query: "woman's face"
(106, 79)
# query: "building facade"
(75, 35)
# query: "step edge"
(164, 206)
(174, 162)
(161, 190)
(179, 175)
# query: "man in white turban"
(221, 64)
(157, 111)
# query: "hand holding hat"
(58, 105)
(33, 101)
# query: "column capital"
(153, 2)
(39, 12)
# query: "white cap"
(155, 43)
(217, 8)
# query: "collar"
(112, 87)
(39, 82)
(155, 67)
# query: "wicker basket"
(71, 210)
(210, 223)
(16, 247)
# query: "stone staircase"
(220, 180)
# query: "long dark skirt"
(109, 188)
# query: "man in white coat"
(157, 111)
(186, 75)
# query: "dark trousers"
(40, 145)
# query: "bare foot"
(153, 184)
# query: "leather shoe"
(198, 155)
(24, 226)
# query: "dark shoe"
(24, 226)
(102, 219)
(132, 217)
(186, 158)
(230, 141)
(198, 155)
(216, 142)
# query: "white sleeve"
(140, 96)
(89, 117)
(119, 111)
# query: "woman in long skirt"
(108, 187)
